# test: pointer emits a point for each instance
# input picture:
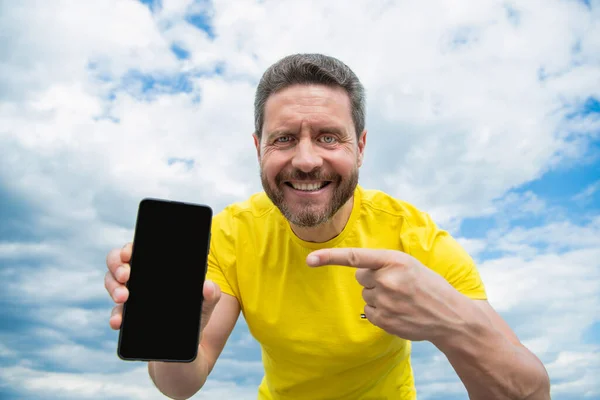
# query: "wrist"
(469, 335)
(177, 379)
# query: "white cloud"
(547, 286)
(54, 284)
(13, 250)
(585, 195)
(226, 390)
(131, 384)
(247, 340)
(555, 237)
(75, 322)
(564, 289)
(457, 118)
(517, 204)
(553, 269)
(77, 357)
(6, 352)
(552, 298)
(55, 42)
(134, 384)
(576, 372)
(463, 126)
(472, 246)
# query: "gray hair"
(310, 69)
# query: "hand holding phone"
(157, 283)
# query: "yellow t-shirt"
(307, 320)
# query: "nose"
(306, 158)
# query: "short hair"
(310, 69)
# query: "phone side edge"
(141, 203)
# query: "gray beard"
(308, 218)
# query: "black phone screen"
(161, 317)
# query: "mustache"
(297, 175)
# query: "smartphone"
(161, 317)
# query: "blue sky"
(487, 116)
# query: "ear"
(256, 144)
(362, 142)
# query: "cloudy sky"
(486, 114)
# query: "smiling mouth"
(308, 187)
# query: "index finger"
(352, 257)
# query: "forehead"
(315, 104)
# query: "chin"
(307, 220)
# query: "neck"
(329, 229)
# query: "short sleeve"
(439, 251)
(220, 269)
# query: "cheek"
(344, 163)
(272, 163)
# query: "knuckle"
(353, 257)
(373, 315)
(360, 276)
(387, 281)
(107, 280)
(413, 274)
(110, 256)
(366, 296)
(381, 320)
(371, 297)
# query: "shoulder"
(416, 230)
(255, 207)
(374, 200)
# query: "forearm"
(491, 366)
(179, 380)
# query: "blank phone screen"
(161, 317)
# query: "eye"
(328, 139)
(283, 139)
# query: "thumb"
(212, 294)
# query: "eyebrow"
(279, 132)
(332, 129)
(325, 129)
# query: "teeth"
(308, 187)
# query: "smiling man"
(335, 280)
(309, 157)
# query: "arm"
(486, 354)
(183, 380)
(489, 358)
(411, 301)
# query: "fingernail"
(312, 260)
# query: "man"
(334, 280)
